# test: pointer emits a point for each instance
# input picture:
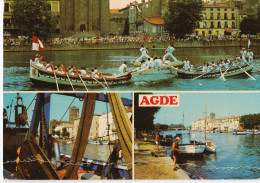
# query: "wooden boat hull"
(40, 76)
(236, 71)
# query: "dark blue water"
(16, 69)
(237, 157)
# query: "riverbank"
(118, 46)
(151, 167)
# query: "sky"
(115, 4)
(59, 105)
(222, 104)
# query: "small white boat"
(210, 147)
(192, 148)
(239, 132)
(98, 141)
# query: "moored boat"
(239, 132)
(39, 75)
(196, 148)
(233, 71)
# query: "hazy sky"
(120, 3)
(59, 104)
(222, 104)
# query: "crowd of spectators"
(138, 39)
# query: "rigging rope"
(67, 109)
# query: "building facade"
(219, 19)
(225, 124)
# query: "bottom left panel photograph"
(67, 136)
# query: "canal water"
(16, 69)
(93, 151)
(237, 157)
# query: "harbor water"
(16, 69)
(237, 157)
(93, 151)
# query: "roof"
(155, 20)
(114, 11)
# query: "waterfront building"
(118, 21)
(224, 124)
(219, 19)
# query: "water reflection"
(237, 157)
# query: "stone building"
(84, 16)
(147, 17)
(73, 115)
(118, 21)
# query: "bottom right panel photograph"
(197, 135)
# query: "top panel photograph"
(127, 45)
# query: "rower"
(191, 68)
(150, 63)
(48, 66)
(243, 52)
(36, 60)
(122, 68)
(186, 63)
(209, 68)
(168, 52)
(204, 68)
(83, 71)
(93, 73)
(250, 56)
(158, 62)
(143, 65)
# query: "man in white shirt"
(158, 62)
(168, 52)
(122, 68)
(144, 55)
(186, 63)
(250, 56)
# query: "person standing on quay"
(157, 139)
(174, 152)
(168, 52)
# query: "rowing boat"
(164, 69)
(233, 71)
(40, 75)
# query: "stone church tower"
(84, 15)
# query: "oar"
(225, 72)
(55, 77)
(253, 67)
(247, 73)
(81, 79)
(202, 74)
(222, 75)
(68, 78)
(106, 82)
(97, 81)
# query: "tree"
(58, 133)
(144, 116)
(34, 16)
(249, 25)
(183, 16)
(65, 133)
(250, 120)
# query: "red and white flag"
(37, 44)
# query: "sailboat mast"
(205, 116)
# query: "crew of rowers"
(70, 70)
(246, 57)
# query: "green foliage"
(251, 23)
(58, 133)
(65, 133)
(183, 16)
(176, 126)
(161, 126)
(144, 116)
(250, 120)
(34, 16)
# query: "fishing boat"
(233, 71)
(39, 75)
(193, 149)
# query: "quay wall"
(115, 46)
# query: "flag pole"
(32, 48)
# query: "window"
(211, 16)
(212, 25)
(210, 32)
(6, 8)
(225, 16)
(233, 16)
(218, 16)
(233, 25)
(218, 9)
(160, 28)
(226, 25)
(232, 9)
(225, 9)
(211, 9)
(219, 25)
